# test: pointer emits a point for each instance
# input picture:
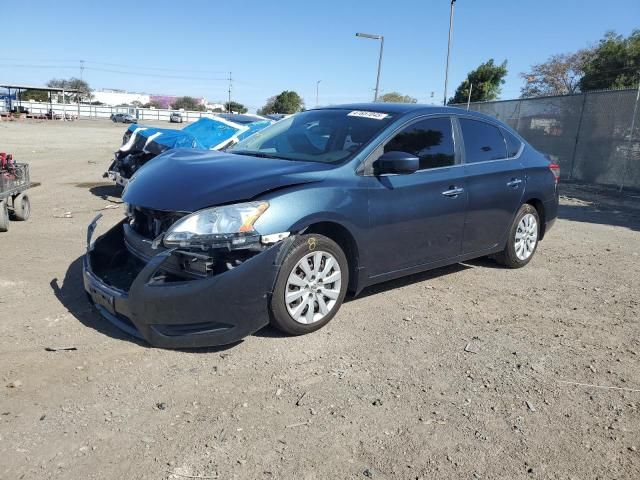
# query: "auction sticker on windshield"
(365, 114)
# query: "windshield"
(327, 136)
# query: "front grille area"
(151, 223)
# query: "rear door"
(417, 218)
(495, 183)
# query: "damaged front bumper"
(198, 312)
(118, 178)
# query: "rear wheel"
(311, 285)
(4, 216)
(21, 207)
(523, 238)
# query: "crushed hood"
(187, 180)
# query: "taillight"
(555, 169)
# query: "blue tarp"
(205, 133)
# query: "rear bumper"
(212, 311)
(551, 212)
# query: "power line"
(121, 72)
(142, 74)
(138, 67)
(118, 65)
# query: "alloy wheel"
(313, 287)
(526, 236)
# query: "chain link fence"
(589, 134)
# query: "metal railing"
(85, 111)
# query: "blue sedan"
(278, 228)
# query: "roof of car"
(404, 108)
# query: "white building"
(118, 97)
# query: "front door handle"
(514, 182)
(453, 192)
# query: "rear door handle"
(514, 182)
(453, 192)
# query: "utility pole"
(229, 104)
(81, 68)
(317, 92)
(469, 99)
(446, 72)
(381, 38)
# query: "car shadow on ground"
(381, 288)
(109, 192)
(600, 205)
(71, 294)
(581, 203)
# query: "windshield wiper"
(251, 153)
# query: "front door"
(417, 218)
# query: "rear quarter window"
(513, 143)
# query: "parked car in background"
(175, 117)
(215, 245)
(123, 118)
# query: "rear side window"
(482, 141)
(513, 144)
(430, 140)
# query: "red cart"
(14, 181)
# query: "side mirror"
(396, 162)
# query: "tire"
(4, 216)
(325, 301)
(525, 226)
(22, 207)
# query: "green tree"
(614, 63)
(395, 97)
(559, 75)
(152, 104)
(84, 91)
(35, 95)
(188, 103)
(486, 81)
(235, 107)
(286, 102)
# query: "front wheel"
(523, 238)
(22, 207)
(4, 216)
(311, 285)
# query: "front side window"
(482, 141)
(326, 136)
(430, 140)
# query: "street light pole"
(446, 73)
(317, 92)
(381, 38)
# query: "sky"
(189, 47)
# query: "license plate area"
(102, 298)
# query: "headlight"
(230, 226)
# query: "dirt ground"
(471, 371)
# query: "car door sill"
(383, 277)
